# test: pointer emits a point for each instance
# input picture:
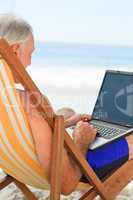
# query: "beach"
(11, 192)
(75, 87)
(63, 89)
(72, 85)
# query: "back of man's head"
(14, 29)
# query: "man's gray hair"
(14, 29)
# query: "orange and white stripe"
(18, 156)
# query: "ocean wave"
(78, 77)
(73, 87)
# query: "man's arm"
(73, 120)
(42, 136)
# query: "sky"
(77, 21)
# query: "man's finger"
(85, 117)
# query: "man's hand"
(83, 135)
(76, 118)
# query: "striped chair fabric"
(18, 156)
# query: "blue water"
(70, 75)
(83, 54)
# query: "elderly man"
(19, 34)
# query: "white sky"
(82, 21)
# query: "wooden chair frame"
(25, 190)
(107, 189)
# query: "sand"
(11, 192)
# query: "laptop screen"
(115, 100)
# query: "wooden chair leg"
(115, 183)
(25, 190)
(56, 160)
(90, 195)
(6, 181)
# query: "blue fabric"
(108, 153)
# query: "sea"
(70, 75)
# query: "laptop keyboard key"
(107, 132)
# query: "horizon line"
(83, 43)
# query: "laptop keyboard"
(107, 132)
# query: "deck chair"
(20, 161)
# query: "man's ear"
(16, 48)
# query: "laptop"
(113, 112)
